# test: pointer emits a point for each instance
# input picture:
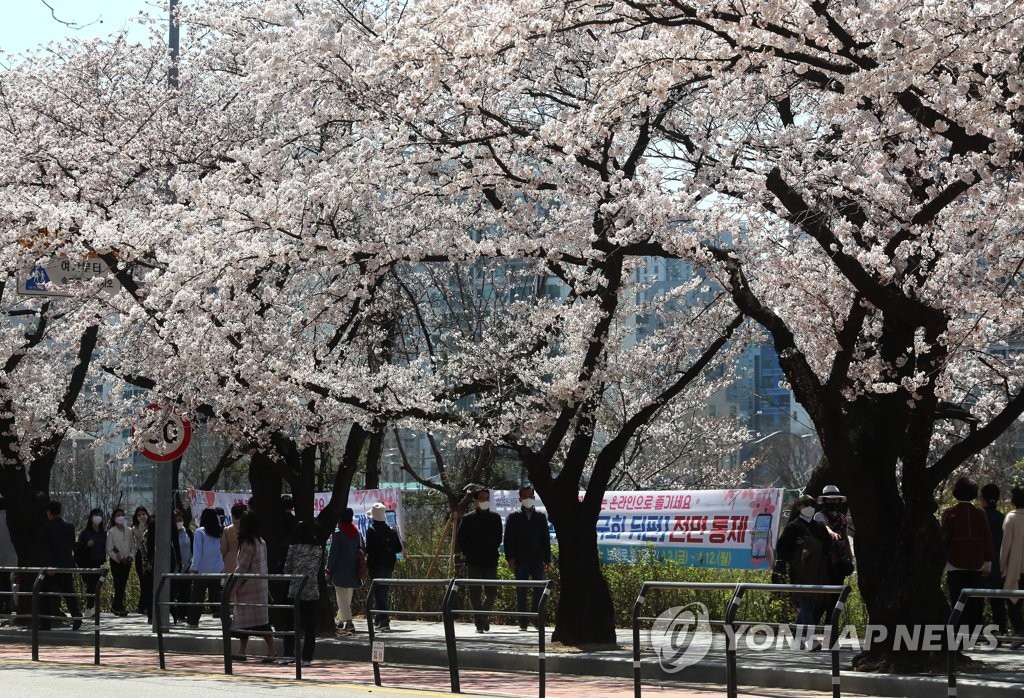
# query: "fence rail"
(729, 622)
(36, 593)
(954, 619)
(230, 580)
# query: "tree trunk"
(586, 613)
(373, 452)
(899, 548)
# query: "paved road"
(69, 673)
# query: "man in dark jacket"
(382, 548)
(479, 537)
(969, 551)
(990, 497)
(527, 548)
(57, 549)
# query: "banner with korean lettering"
(733, 529)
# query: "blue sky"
(28, 23)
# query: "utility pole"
(164, 472)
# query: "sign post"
(164, 441)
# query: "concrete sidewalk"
(506, 649)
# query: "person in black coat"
(382, 548)
(91, 553)
(478, 538)
(57, 549)
(527, 548)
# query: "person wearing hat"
(382, 548)
(830, 514)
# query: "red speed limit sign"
(166, 434)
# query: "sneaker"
(523, 627)
(76, 624)
(350, 627)
(306, 662)
(385, 628)
(285, 661)
(239, 658)
(480, 629)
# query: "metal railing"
(536, 616)
(372, 612)
(41, 575)
(728, 623)
(230, 580)
(954, 620)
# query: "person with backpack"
(382, 548)
(803, 548)
(830, 513)
(346, 568)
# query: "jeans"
(489, 594)
(528, 570)
(380, 593)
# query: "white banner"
(733, 529)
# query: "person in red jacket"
(969, 551)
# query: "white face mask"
(807, 512)
(180, 525)
(527, 503)
(143, 518)
(119, 521)
(97, 520)
(483, 506)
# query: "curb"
(598, 664)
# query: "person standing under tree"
(343, 568)
(990, 498)
(479, 538)
(382, 548)
(120, 552)
(143, 565)
(527, 548)
(90, 552)
(57, 549)
(251, 596)
(305, 558)
(969, 551)
(206, 559)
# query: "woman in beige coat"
(1011, 559)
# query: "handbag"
(362, 571)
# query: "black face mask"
(831, 507)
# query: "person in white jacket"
(1011, 561)
(121, 553)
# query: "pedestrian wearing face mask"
(527, 548)
(121, 553)
(143, 562)
(91, 551)
(181, 560)
(803, 550)
(479, 538)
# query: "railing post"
(952, 649)
(225, 622)
(448, 622)
(297, 625)
(833, 644)
(96, 614)
(36, 586)
(159, 626)
(731, 679)
(369, 623)
(540, 629)
(637, 606)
